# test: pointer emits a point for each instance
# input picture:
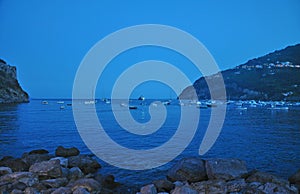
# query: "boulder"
(5, 170)
(27, 178)
(47, 169)
(64, 190)
(19, 185)
(66, 152)
(31, 159)
(31, 190)
(89, 184)
(148, 189)
(185, 189)
(188, 169)
(210, 186)
(226, 169)
(39, 151)
(85, 163)
(264, 177)
(17, 165)
(163, 185)
(275, 188)
(63, 161)
(236, 185)
(55, 183)
(295, 179)
(16, 191)
(108, 181)
(75, 173)
(80, 190)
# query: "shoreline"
(68, 171)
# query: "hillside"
(10, 89)
(275, 76)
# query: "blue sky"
(47, 40)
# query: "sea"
(266, 139)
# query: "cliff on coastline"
(10, 89)
(274, 77)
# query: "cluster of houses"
(269, 65)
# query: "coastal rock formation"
(10, 89)
(274, 76)
(221, 176)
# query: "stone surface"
(210, 186)
(39, 151)
(188, 169)
(264, 177)
(86, 183)
(10, 89)
(75, 173)
(47, 169)
(17, 165)
(5, 170)
(27, 178)
(148, 189)
(81, 191)
(236, 185)
(226, 169)
(31, 159)
(295, 179)
(63, 161)
(66, 152)
(64, 190)
(55, 183)
(85, 163)
(108, 181)
(163, 185)
(31, 190)
(185, 189)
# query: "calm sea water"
(268, 140)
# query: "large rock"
(55, 183)
(5, 170)
(226, 169)
(85, 163)
(263, 177)
(64, 190)
(210, 186)
(63, 161)
(10, 89)
(295, 179)
(75, 173)
(148, 189)
(66, 152)
(163, 185)
(39, 151)
(186, 189)
(27, 178)
(89, 184)
(47, 169)
(17, 165)
(31, 159)
(188, 169)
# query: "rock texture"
(10, 89)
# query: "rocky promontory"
(10, 89)
(67, 171)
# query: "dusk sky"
(47, 40)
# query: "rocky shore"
(67, 171)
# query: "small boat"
(166, 103)
(132, 107)
(62, 107)
(142, 98)
(241, 108)
(69, 104)
(60, 102)
(45, 102)
(278, 107)
(90, 102)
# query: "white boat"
(60, 102)
(142, 98)
(241, 108)
(278, 107)
(90, 102)
(45, 102)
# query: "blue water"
(268, 140)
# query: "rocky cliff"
(274, 76)
(10, 89)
